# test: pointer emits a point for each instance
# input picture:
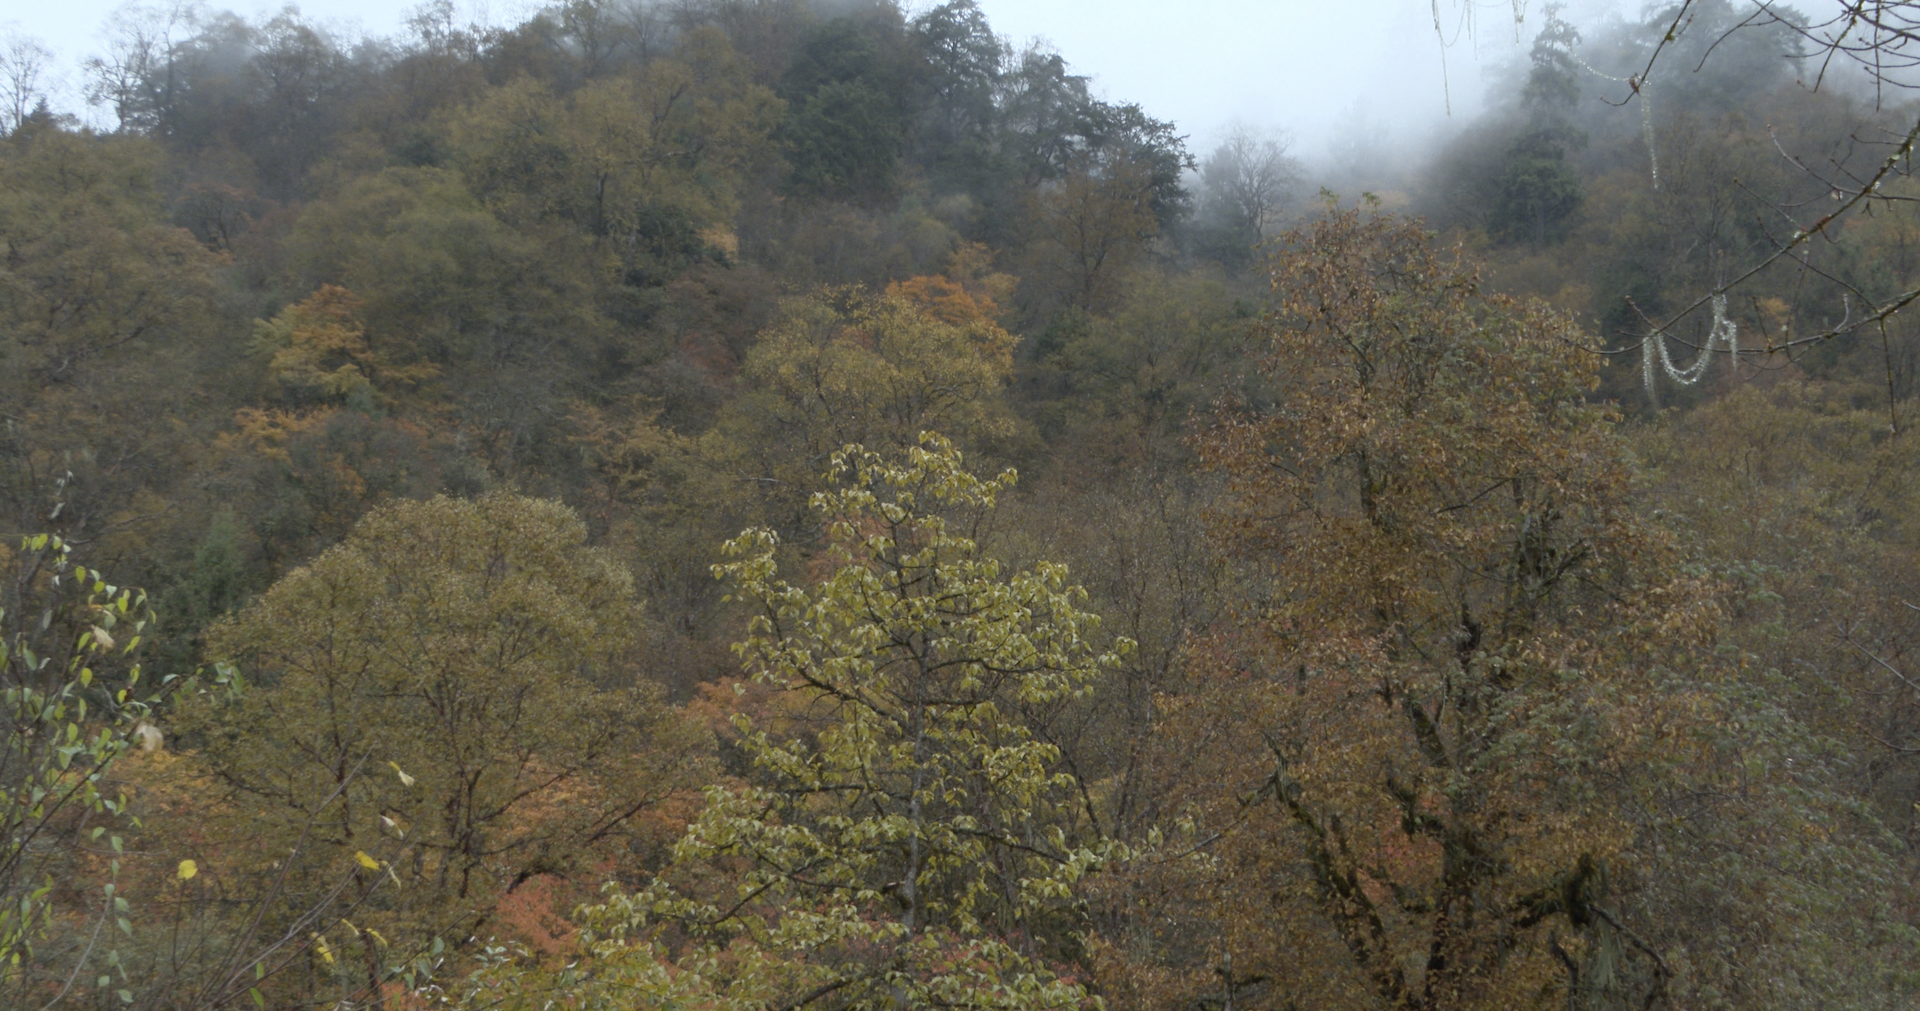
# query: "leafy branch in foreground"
(73, 702)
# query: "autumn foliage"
(806, 506)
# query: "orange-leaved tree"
(1451, 755)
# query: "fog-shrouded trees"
(1538, 191)
(966, 68)
(1246, 187)
(1409, 682)
(24, 67)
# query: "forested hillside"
(801, 505)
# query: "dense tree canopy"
(573, 467)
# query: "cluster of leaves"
(73, 705)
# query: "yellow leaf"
(187, 870)
(366, 861)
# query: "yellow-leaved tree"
(318, 350)
(842, 367)
(902, 839)
(442, 711)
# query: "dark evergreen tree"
(1538, 191)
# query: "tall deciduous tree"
(901, 838)
(23, 70)
(1451, 748)
(964, 60)
(443, 702)
(1092, 225)
(1436, 500)
(1246, 185)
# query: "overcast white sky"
(1314, 67)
